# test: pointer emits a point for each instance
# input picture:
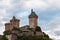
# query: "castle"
(26, 30)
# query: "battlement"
(7, 26)
(13, 22)
(14, 19)
(7, 23)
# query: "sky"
(48, 12)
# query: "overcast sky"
(48, 12)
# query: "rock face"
(29, 30)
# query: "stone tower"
(33, 19)
(13, 23)
(7, 26)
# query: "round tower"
(33, 19)
(14, 22)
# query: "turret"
(33, 19)
(7, 26)
(14, 22)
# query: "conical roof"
(33, 14)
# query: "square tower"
(14, 22)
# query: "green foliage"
(34, 38)
(4, 38)
(32, 30)
(15, 28)
(45, 35)
(29, 38)
(38, 28)
(7, 32)
(41, 37)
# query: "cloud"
(57, 33)
(54, 3)
(35, 4)
(2, 30)
(47, 10)
(53, 27)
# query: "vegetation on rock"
(41, 37)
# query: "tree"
(4, 37)
(7, 32)
(38, 28)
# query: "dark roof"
(33, 14)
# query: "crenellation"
(7, 26)
(13, 23)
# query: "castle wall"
(9, 37)
(39, 33)
(14, 37)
